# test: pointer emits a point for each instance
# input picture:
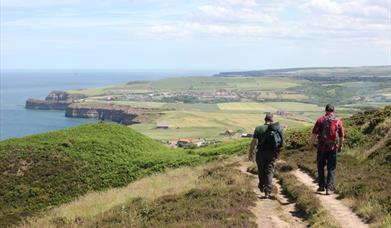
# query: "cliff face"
(74, 106)
(45, 105)
(117, 113)
(56, 100)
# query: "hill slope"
(367, 71)
(40, 171)
(363, 168)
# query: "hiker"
(269, 140)
(329, 134)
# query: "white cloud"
(354, 20)
(327, 6)
(359, 20)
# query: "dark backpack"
(329, 129)
(272, 138)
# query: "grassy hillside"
(364, 166)
(44, 170)
(221, 197)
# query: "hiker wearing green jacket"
(268, 138)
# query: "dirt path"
(341, 213)
(279, 213)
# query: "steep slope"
(40, 171)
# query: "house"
(228, 133)
(184, 143)
(162, 126)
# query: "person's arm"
(282, 136)
(314, 135)
(341, 134)
(313, 141)
(251, 149)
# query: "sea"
(16, 86)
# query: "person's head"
(329, 108)
(269, 118)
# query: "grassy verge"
(303, 196)
(363, 168)
(364, 184)
(221, 197)
(41, 171)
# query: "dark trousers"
(329, 159)
(265, 162)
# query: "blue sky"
(187, 34)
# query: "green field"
(193, 83)
(295, 106)
(208, 124)
(247, 106)
(204, 107)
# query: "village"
(207, 96)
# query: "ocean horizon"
(19, 85)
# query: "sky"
(193, 35)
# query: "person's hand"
(250, 157)
(339, 148)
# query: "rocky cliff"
(56, 100)
(117, 113)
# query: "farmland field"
(245, 106)
(205, 107)
(295, 106)
(198, 124)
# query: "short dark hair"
(329, 108)
(269, 117)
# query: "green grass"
(221, 198)
(50, 169)
(246, 106)
(306, 201)
(295, 106)
(173, 133)
(276, 83)
(194, 83)
(207, 124)
(139, 104)
(192, 107)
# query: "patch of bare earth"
(276, 213)
(342, 213)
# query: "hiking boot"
(260, 187)
(267, 195)
(320, 189)
(329, 190)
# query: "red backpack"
(328, 133)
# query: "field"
(207, 121)
(247, 106)
(194, 83)
(296, 107)
(204, 107)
